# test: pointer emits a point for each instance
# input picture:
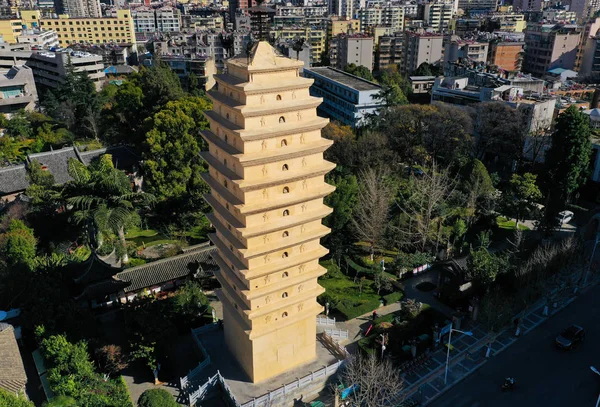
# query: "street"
(546, 376)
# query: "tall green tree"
(392, 95)
(172, 164)
(18, 244)
(103, 200)
(360, 71)
(521, 196)
(567, 161)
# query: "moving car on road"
(570, 337)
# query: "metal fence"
(323, 320)
(337, 334)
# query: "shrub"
(157, 398)
(11, 400)
(333, 271)
(352, 310)
(134, 262)
(393, 297)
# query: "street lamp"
(468, 333)
(587, 271)
(593, 369)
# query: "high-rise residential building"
(337, 25)
(354, 49)
(381, 16)
(528, 5)
(438, 13)
(551, 46)
(164, 19)
(80, 8)
(10, 29)
(267, 180)
(587, 53)
(104, 30)
(390, 51)
(421, 47)
(144, 20)
(478, 5)
(506, 55)
(50, 68)
(341, 8)
(512, 22)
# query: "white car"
(565, 217)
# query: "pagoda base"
(244, 390)
(268, 355)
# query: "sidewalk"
(427, 383)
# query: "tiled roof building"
(12, 371)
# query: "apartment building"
(353, 49)
(506, 55)
(346, 98)
(337, 25)
(468, 5)
(306, 11)
(315, 37)
(10, 29)
(438, 13)
(509, 22)
(103, 30)
(38, 38)
(551, 46)
(164, 19)
(17, 90)
(390, 51)
(421, 47)
(79, 8)
(381, 16)
(201, 66)
(461, 49)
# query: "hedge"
(357, 267)
(355, 311)
(393, 297)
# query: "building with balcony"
(461, 49)
(551, 46)
(17, 90)
(381, 16)
(438, 13)
(390, 51)
(337, 25)
(50, 68)
(314, 36)
(38, 38)
(267, 184)
(346, 98)
(478, 5)
(10, 29)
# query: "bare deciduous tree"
(377, 383)
(424, 209)
(374, 197)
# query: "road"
(546, 376)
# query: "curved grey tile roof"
(13, 179)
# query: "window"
(285, 168)
(284, 295)
(283, 143)
(227, 116)
(284, 315)
(286, 213)
(231, 247)
(225, 183)
(226, 137)
(286, 190)
(278, 97)
(284, 255)
(282, 119)
(285, 234)
(225, 162)
(285, 274)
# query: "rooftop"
(12, 371)
(344, 78)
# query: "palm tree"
(298, 45)
(102, 198)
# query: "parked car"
(565, 217)
(570, 337)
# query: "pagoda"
(267, 180)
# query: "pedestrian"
(374, 315)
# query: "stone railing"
(183, 381)
(323, 320)
(337, 334)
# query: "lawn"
(147, 237)
(509, 224)
(347, 298)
